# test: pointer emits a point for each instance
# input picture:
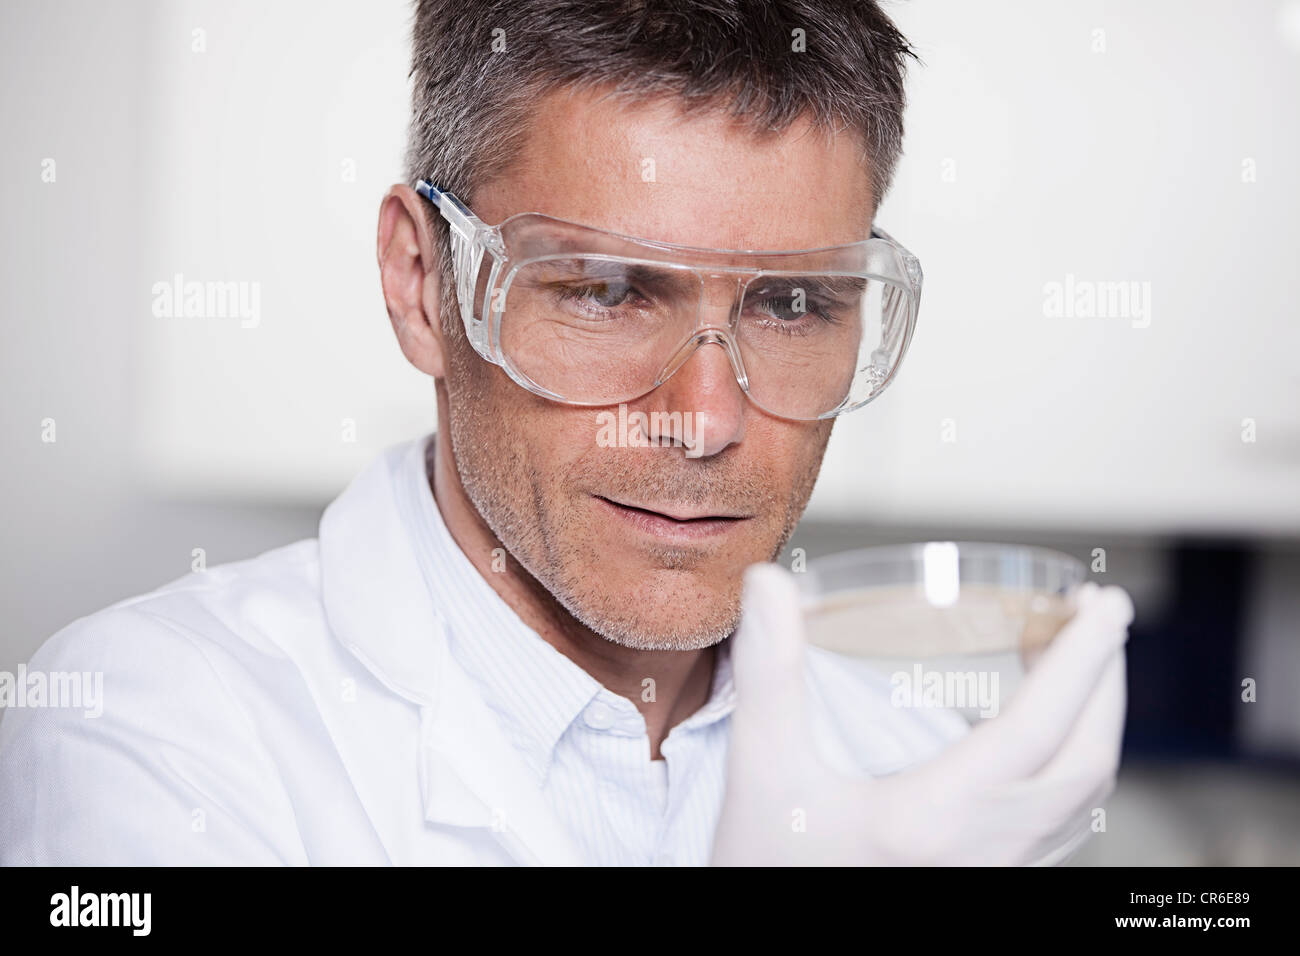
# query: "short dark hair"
(480, 66)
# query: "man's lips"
(672, 521)
(676, 513)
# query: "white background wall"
(1151, 143)
(1122, 165)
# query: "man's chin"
(650, 616)
(633, 637)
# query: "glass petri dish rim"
(1027, 555)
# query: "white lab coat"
(301, 707)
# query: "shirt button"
(598, 716)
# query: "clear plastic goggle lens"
(600, 330)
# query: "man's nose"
(704, 394)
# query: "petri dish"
(953, 622)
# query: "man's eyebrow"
(829, 285)
(634, 272)
(841, 287)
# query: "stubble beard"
(499, 478)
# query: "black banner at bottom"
(335, 905)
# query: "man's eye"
(606, 295)
(780, 307)
(789, 308)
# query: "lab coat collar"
(378, 602)
(382, 607)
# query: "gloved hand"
(1018, 789)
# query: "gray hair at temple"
(480, 66)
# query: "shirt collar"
(535, 690)
(722, 693)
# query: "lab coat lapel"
(382, 609)
(474, 777)
(376, 598)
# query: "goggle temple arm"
(452, 209)
(467, 248)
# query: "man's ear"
(409, 275)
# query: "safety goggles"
(584, 316)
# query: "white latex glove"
(1019, 789)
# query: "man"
(513, 640)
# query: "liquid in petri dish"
(898, 622)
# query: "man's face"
(595, 525)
